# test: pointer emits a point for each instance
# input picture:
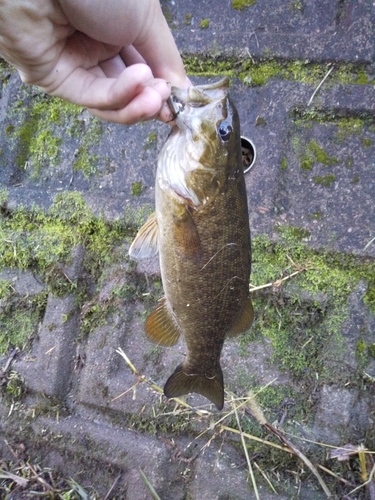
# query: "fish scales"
(203, 239)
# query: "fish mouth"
(175, 105)
(196, 96)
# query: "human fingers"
(91, 88)
(112, 67)
(155, 43)
(144, 106)
(140, 24)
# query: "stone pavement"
(83, 411)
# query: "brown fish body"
(203, 240)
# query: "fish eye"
(225, 130)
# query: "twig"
(258, 414)
(320, 84)
(112, 487)
(301, 456)
(277, 282)
(39, 479)
(331, 473)
(246, 453)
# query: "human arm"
(117, 58)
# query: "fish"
(201, 230)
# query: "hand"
(117, 58)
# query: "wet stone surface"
(70, 297)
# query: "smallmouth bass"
(201, 230)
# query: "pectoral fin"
(145, 244)
(212, 388)
(160, 326)
(244, 321)
(186, 237)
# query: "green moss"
(150, 141)
(43, 242)
(369, 298)
(241, 4)
(260, 121)
(14, 388)
(307, 162)
(355, 179)
(19, 318)
(188, 18)
(362, 78)
(366, 142)
(320, 155)
(349, 162)
(318, 215)
(361, 347)
(293, 232)
(371, 350)
(40, 125)
(9, 129)
(324, 180)
(32, 238)
(258, 72)
(349, 126)
(38, 145)
(85, 162)
(303, 318)
(137, 188)
(205, 23)
(3, 196)
(284, 163)
(296, 5)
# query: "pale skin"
(118, 58)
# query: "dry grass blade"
(331, 473)
(254, 410)
(320, 84)
(246, 453)
(258, 414)
(154, 386)
(277, 283)
(78, 489)
(301, 456)
(40, 480)
(8, 475)
(149, 485)
(265, 477)
(112, 487)
(368, 244)
(369, 482)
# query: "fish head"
(204, 145)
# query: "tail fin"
(180, 383)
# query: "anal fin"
(160, 326)
(244, 321)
